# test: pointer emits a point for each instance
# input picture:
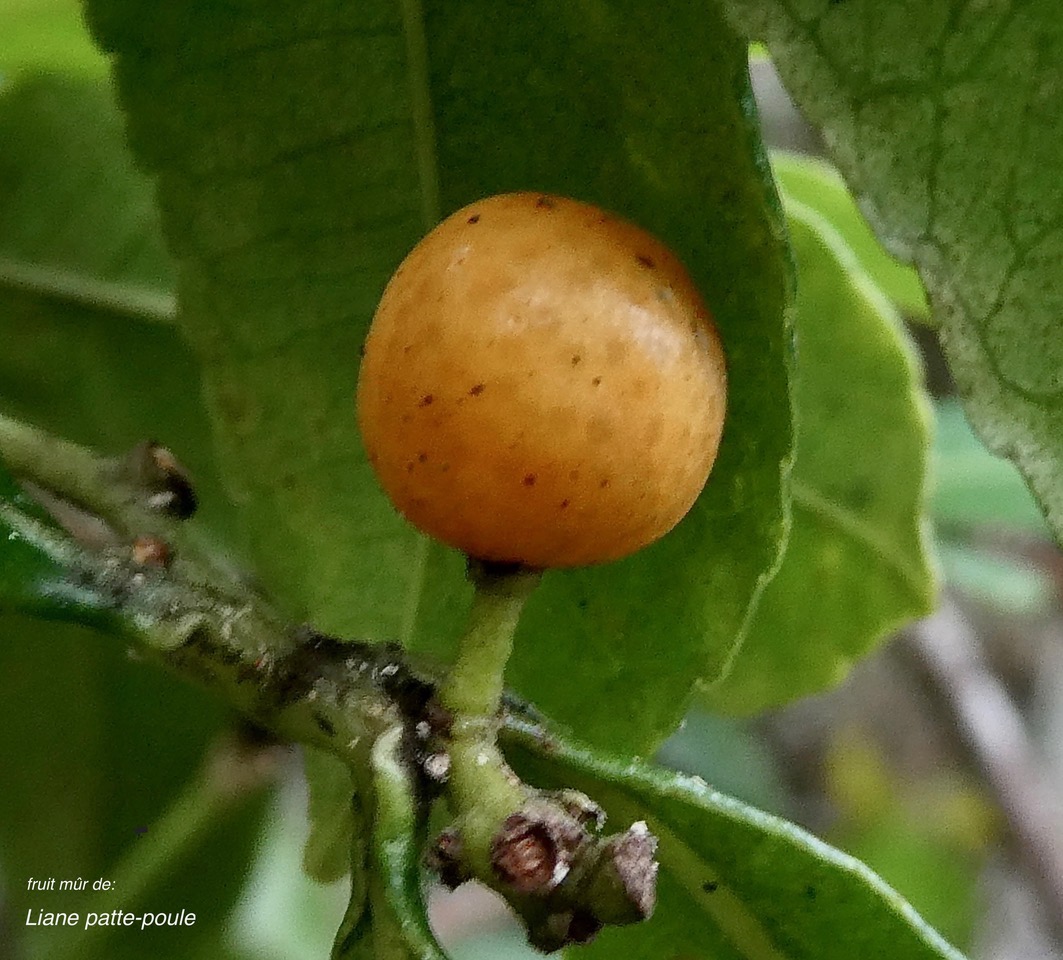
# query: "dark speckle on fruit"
(529, 480)
(426, 400)
(475, 218)
(476, 390)
(647, 262)
(545, 203)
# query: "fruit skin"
(542, 384)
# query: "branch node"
(154, 469)
(534, 849)
(581, 808)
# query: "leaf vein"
(856, 530)
(431, 210)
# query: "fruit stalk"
(543, 851)
(481, 787)
(474, 687)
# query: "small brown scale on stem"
(151, 552)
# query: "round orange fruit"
(542, 384)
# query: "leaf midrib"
(423, 116)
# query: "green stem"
(542, 851)
(385, 918)
(54, 463)
(194, 615)
(482, 789)
(111, 491)
(474, 687)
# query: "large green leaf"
(303, 148)
(945, 119)
(76, 218)
(815, 183)
(858, 541)
(734, 882)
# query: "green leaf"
(948, 129)
(734, 882)
(818, 185)
(85, 302)
(942, 880)
(46, 34)
(302, 150)
(77, 220)
(327, 854)
(858, 542)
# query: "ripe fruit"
(542, 384)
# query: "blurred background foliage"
(872, 766)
